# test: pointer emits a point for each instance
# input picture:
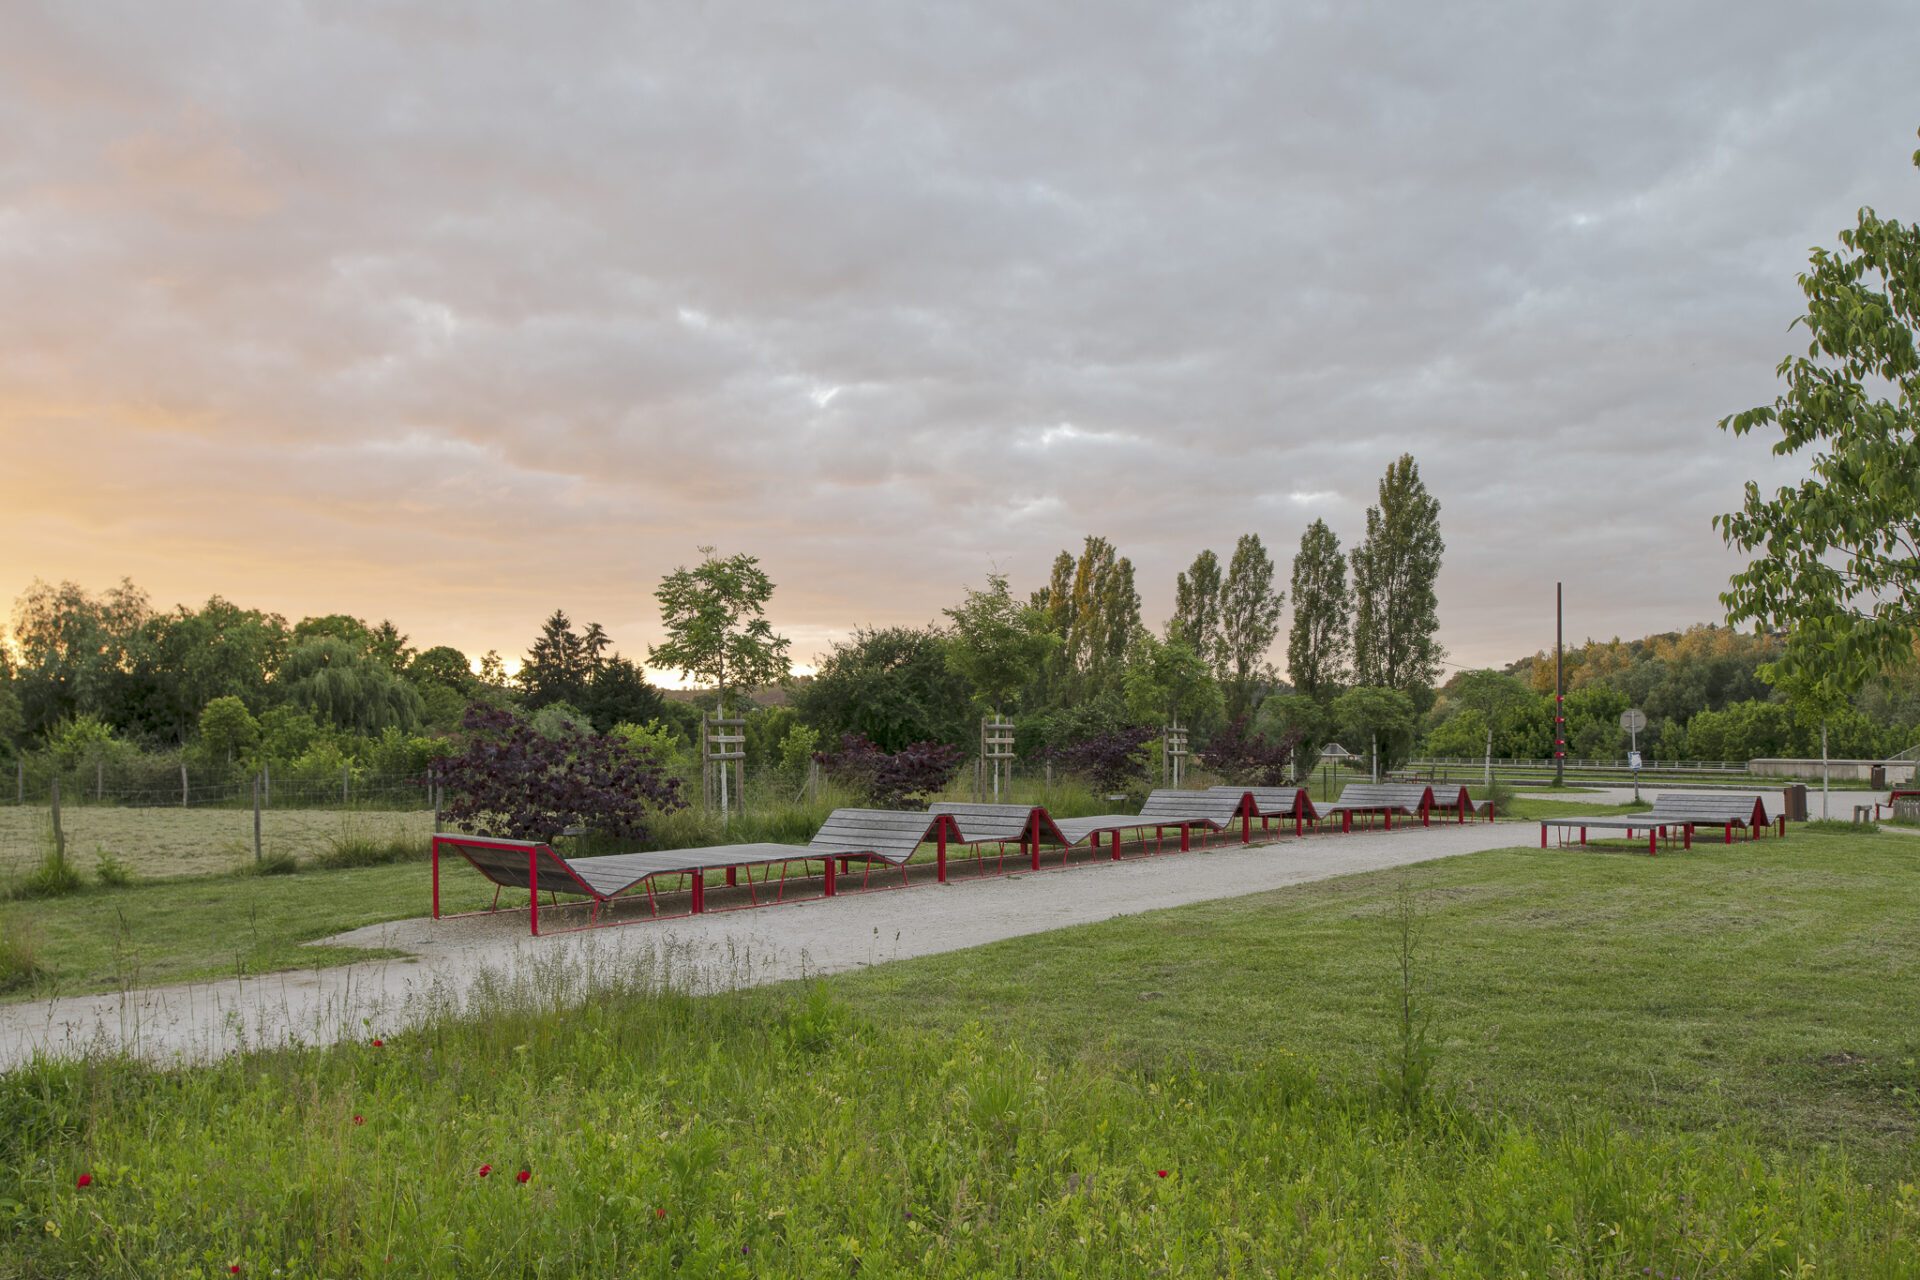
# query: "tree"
(914, 774)
(1166, 680)
(717, 631)
(1320, 644)
(620, 691)
(1251, 758)
(343, 686)
(1196, 606)
(1249, 620)
(1820, 679)
(1111, 761)
(1490, 695)
(892, 685)
(560, 664)
(1299, 719)
(998, 645)
(1382, 718)
(74, 650)
(1843, 546)
(1095, 612)
(227, 728)
(1396, 610)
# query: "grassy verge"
(184, 929)
(1697, 1065)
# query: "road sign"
(1633, 761)
(1633, 720)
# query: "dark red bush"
(1111, 761)
(512, 781)
(916, 772)
(1250, 759)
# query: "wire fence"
(143, 785)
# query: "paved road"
(198, 1021)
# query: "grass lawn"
(1697, 1065)
(161, 841)
(196, 927)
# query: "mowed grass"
(188, 929)
(1768, 984)
(160, 842)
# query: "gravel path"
(451, 958)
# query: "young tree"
(1196, 607)
(1381, 718)
(717, 631)
(1844, 544)
(1490, 694)
(1249, 620)
(997, 644)
(1167, 680)
(1396, 614)
(1095, 611)
(1321, 640)
(892, 685)
(227, 728)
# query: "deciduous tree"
(1249, 619)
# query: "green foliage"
(1837, 552)
(1249, 620)
(797, 749)
(1744, 731)
(83, 740)
(74, 650)
(227, 729)
(659, 740)
(1196, 607)
(1093, 614)
(273, 863)
(1374, 718)
(286, 733)
(998, 644)
(717, 632)
(1320, 644)
(1396, 611)
(54, 876)
(1285, 714)
(1168, 680)
(400, 755)
(19, 953)
(893, 686)
(563, 662)
(347, 689)
(110, 871)
(560, 720)
(13, 721)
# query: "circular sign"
(1633, 720)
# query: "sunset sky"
(453, 314)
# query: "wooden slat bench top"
(995, 823)
(1219, 807)
(1379, 797)
(1709, 808)
(890, 834)
(1275, 802)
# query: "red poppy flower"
(485, 1169)
(359, 1119)
(659, 1213)
(84, 1180)
(1161, 1172)
(379, 1044)
(523, 1175)
(234, 1269)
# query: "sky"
(454, 314)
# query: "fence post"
(266, 781)
(256, 819)
(59, 836)
(433, 791)
(346, 773)
(183, 784)
(19, 779)
(99, 779)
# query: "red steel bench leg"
(700, 889)
(1185, 841)
(1653, 844)
(1116, 845)
(533, 891)
(1389, 819)
(436, 877)
(831, 887)
(1543, 835)
(1246, 827)
(1033, 834)
(940, 854)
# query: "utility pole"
(1559, 691)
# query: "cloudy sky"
(454, 314)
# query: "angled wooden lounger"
(1445, 800)
(1277, 802)
(1414, 799)
(976, 826)
(1166, 809)
(1714, 809)
(868, 836)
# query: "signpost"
(1633, 720)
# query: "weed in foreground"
(19, 952)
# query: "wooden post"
(433, 792)
(19, 779)
(266, 782)
(183, 784)
(256, 819)
(346, 776)
(99, 779)
(59, 836)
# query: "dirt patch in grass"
(156, 843)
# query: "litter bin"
(1794, 802)
(1877, 777)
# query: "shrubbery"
(512, 780)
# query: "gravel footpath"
(451, 959)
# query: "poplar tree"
(1196, 607)
(1396, 613)
(1092, 606)
(1320, 644)
(1249, 620)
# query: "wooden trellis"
(1173, 753)
(996, 757)
(723, 761)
